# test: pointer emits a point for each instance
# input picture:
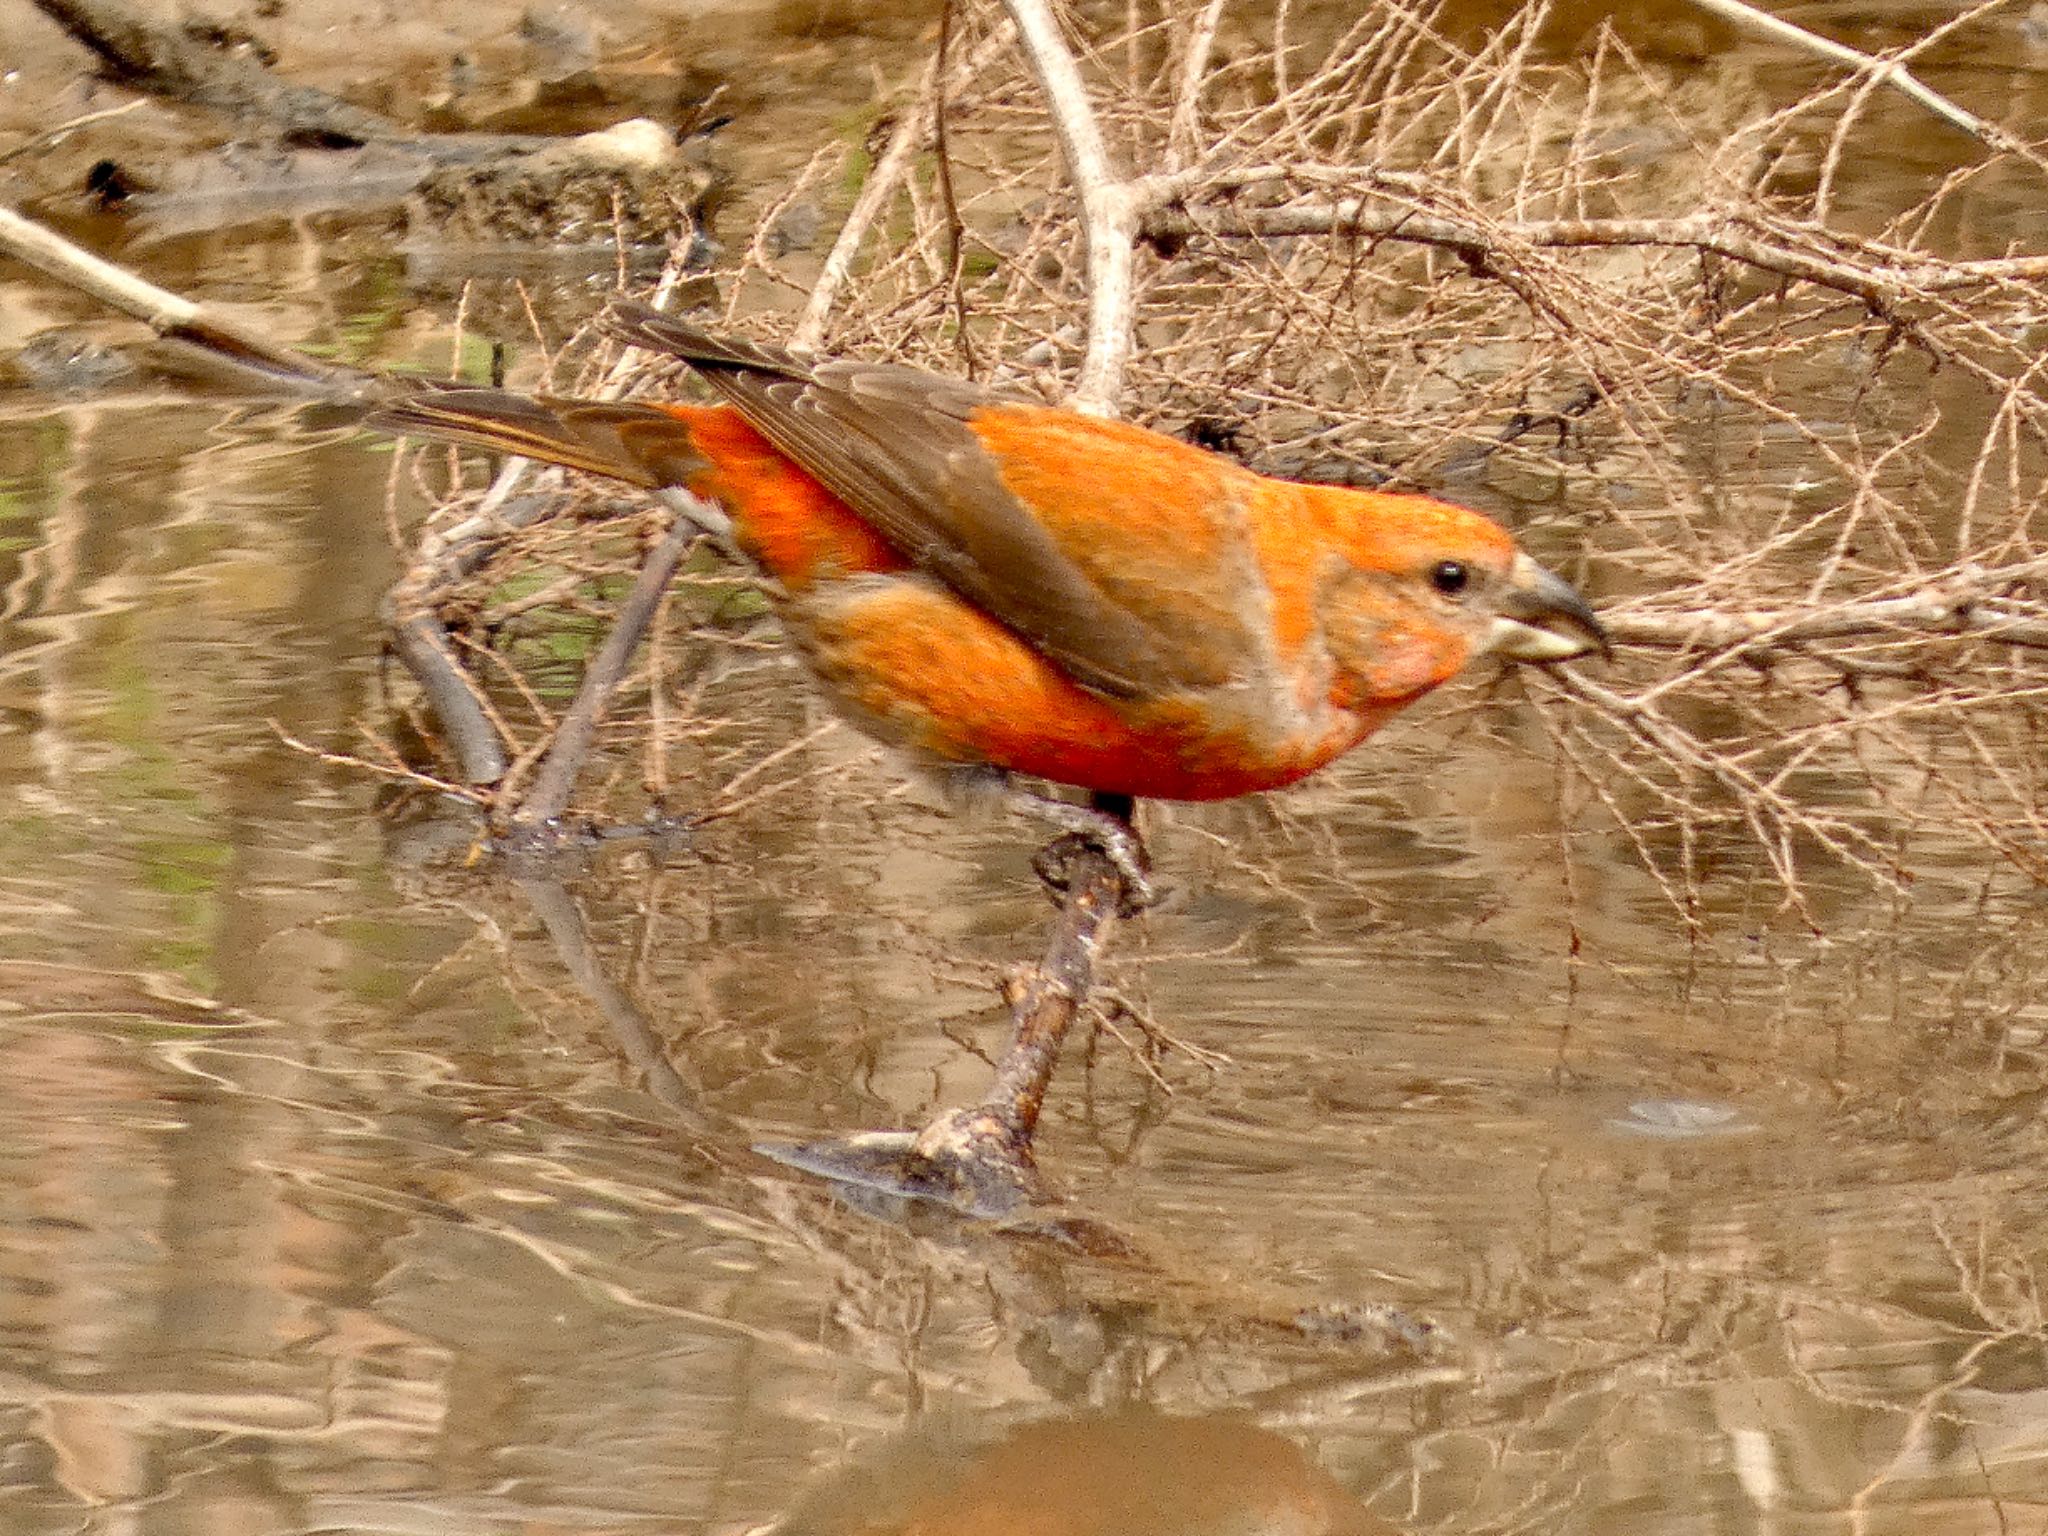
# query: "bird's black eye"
(1449, 577)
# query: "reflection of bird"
(1134, 1474)
(991, 584)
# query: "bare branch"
(1108, 207)
(1711, 234)
(912, 131)
(1965, 607)
(544, 804)
(1201, 39)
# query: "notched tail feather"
(640, 445)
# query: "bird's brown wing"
(899, 447)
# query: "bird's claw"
(1119, 844)
(1103, 827)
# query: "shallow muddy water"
(346, 1185)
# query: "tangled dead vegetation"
(1787, 414)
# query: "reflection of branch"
(558, 913)
(1887, 71)
(417, 634)
(1013, 1261)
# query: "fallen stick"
(179, 319)
(139, 52)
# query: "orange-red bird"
(989, 583)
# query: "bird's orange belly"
(919, 668)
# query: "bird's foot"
(1089, 829)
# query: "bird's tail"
(653, 447)
(649, 446)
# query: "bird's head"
(1423, 588)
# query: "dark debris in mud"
(632, 185)
(644, 177)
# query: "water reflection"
(412, 1269)
(1128, 1475)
